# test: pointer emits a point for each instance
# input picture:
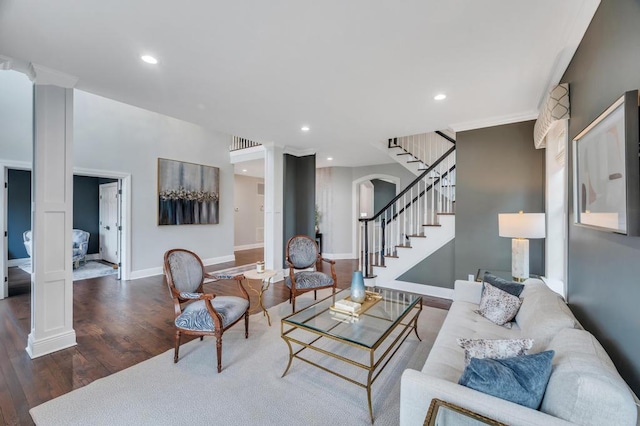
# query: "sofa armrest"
(418, 389)
(467, 291)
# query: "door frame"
(124, 183)
(124, 179)
(355, 201)
(4, 202)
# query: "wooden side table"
(266, 278)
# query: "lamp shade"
(521, 225)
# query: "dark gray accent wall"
(299, 196)
(604, 269)
(498, 171)
(18, 211)
(383, 192)
(436, 270)
(86, 213)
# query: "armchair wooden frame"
(294, 291)
(178, 302)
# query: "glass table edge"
(393, 325)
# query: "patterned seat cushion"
(310, 279)
(196, 317)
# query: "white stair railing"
(242, 143)
(416, 207)
(424, 148)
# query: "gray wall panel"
(436, 270)
(498, 171)
(603, 284)
(299, 196)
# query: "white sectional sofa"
(584, 388)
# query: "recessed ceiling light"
(149, 59)
(330, 158)
(305, 128)
(244, 170)
(440, 96)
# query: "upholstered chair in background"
(80, 240)
(198, 313)
(302, 254)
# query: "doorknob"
(107, 227)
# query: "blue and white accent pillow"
(497, 305)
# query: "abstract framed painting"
(188, 194)
(606, 175)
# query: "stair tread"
(447, 214)
(414, 161)
(391, 256)
(379, 265)
(404, 246)
(404, 153)
(431, 224)
(417, 236)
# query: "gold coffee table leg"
(265, 286)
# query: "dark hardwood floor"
(117, 323)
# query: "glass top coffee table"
(367, 341)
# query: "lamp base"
(520, 259)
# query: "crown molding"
(299, 152)
(495, 121)
(5, 63)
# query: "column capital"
(43, 75)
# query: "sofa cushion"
(520, 379)
(585, 387)
(504, 285)
(446, 359)
(498, 305)
(493, 348)
(543, 314)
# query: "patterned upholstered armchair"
(198, 313)
(80, 240)
(303, 254)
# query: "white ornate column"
(273, 187)
(52, 201)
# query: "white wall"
(16, 117)
(334, 198)
(114, 137)
(249, 212)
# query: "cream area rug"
(90, 269)
(248, 391)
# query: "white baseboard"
(18, 262)
(143, 273)
(248, 247)
(424, 289)
(338, 256)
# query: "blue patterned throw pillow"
(504, 285)
(521, 379)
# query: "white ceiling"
(356, 72)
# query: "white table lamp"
(521, 226)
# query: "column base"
(51, 344)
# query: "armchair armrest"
(331, 261)
(196, 296)
(213, 276)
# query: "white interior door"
(109, 222)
